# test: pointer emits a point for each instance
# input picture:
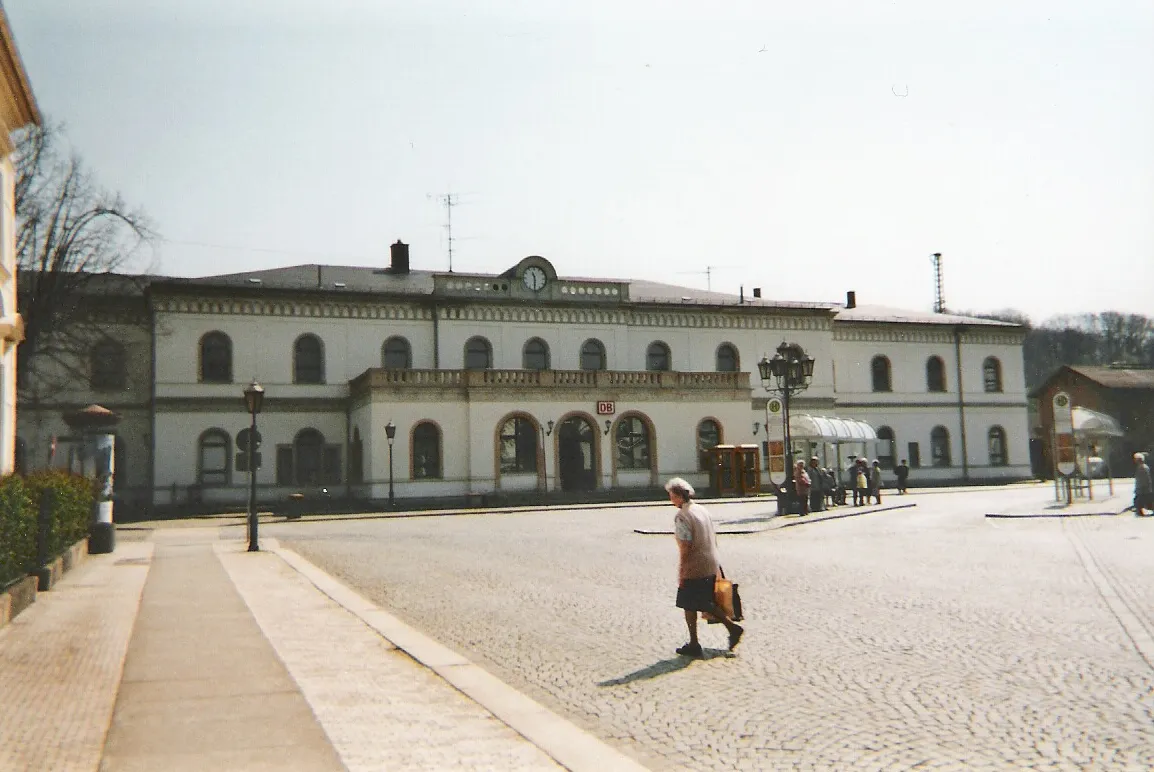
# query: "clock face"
(534, 278)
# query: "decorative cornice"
(745, 319)
(921, 334)
(929, 405)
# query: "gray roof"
(885, 314)
(335, 278)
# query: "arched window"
(108, 367)
(215, 358)
(478, 354)
(887, 447)
(213, 458)
(396, 354)
(935, 374)
(535, 355)
(308, 457)
(308, 360)
(426, 443)
(940, 446)
(657, 357)
(632, 443)
(727, 359)
(992, 374)
(592, 355)
(518, 445)
(996, 440)
(708, 436)
(880, 372)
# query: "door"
(575, 455)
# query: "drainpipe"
(961, 401)
(436, 337)
(152, 314)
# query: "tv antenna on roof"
(449, 200)
(708, 273)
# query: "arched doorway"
(576, 458)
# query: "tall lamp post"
(787, 373)
(253, 400)
(390, 432)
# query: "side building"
(17, 110)
(451, 386)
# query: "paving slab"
(61, 661)
(202, 688)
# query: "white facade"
(544, 410)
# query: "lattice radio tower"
(939, 291)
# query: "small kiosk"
(735, 470)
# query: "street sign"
(242, 461)
(1064, 450)
(242, 440)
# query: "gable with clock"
(533, 279)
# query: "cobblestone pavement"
(61, 661)
(924, 638)
(380, 709)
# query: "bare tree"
(77, 245)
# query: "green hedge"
(69, 500)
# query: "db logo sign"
(606, 408)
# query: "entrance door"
(575, 455)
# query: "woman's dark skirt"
(696, 594)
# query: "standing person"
(697, 565)
(876, 481)
(1143, 489)
(861, 483)
(902, 472)
(817, 486)
(802, 484)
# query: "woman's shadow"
(664, 667)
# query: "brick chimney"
(399, 258)
(851, 299)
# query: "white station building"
(521, 384)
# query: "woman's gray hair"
(680, 487)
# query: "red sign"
(606, 408)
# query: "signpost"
(775, 445)
(1064, 451)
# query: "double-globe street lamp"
(787, 373)
(253, 400)
(390, 433)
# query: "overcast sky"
(806, 148)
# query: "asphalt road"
(923, 638)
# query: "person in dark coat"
(876, 481)
(1143, 488)
(902, 472)
(817, 486)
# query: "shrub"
(17, 529)
(68, 499)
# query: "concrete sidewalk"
(1104, 503)
(186, 652)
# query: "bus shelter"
(825, 437)
(1093, 433)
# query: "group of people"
(818, 488)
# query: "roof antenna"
(939, 292)
(450, 200)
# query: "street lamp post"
(253, 400)
(390, 432)
(788, 373)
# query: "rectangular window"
(332, 465)
(284, 465)
(915, 455)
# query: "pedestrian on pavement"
(1143, 489)
(697, 565)
(861, 483)
(802, 484)
(817, 486)
(876, 481)
(902, 472)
